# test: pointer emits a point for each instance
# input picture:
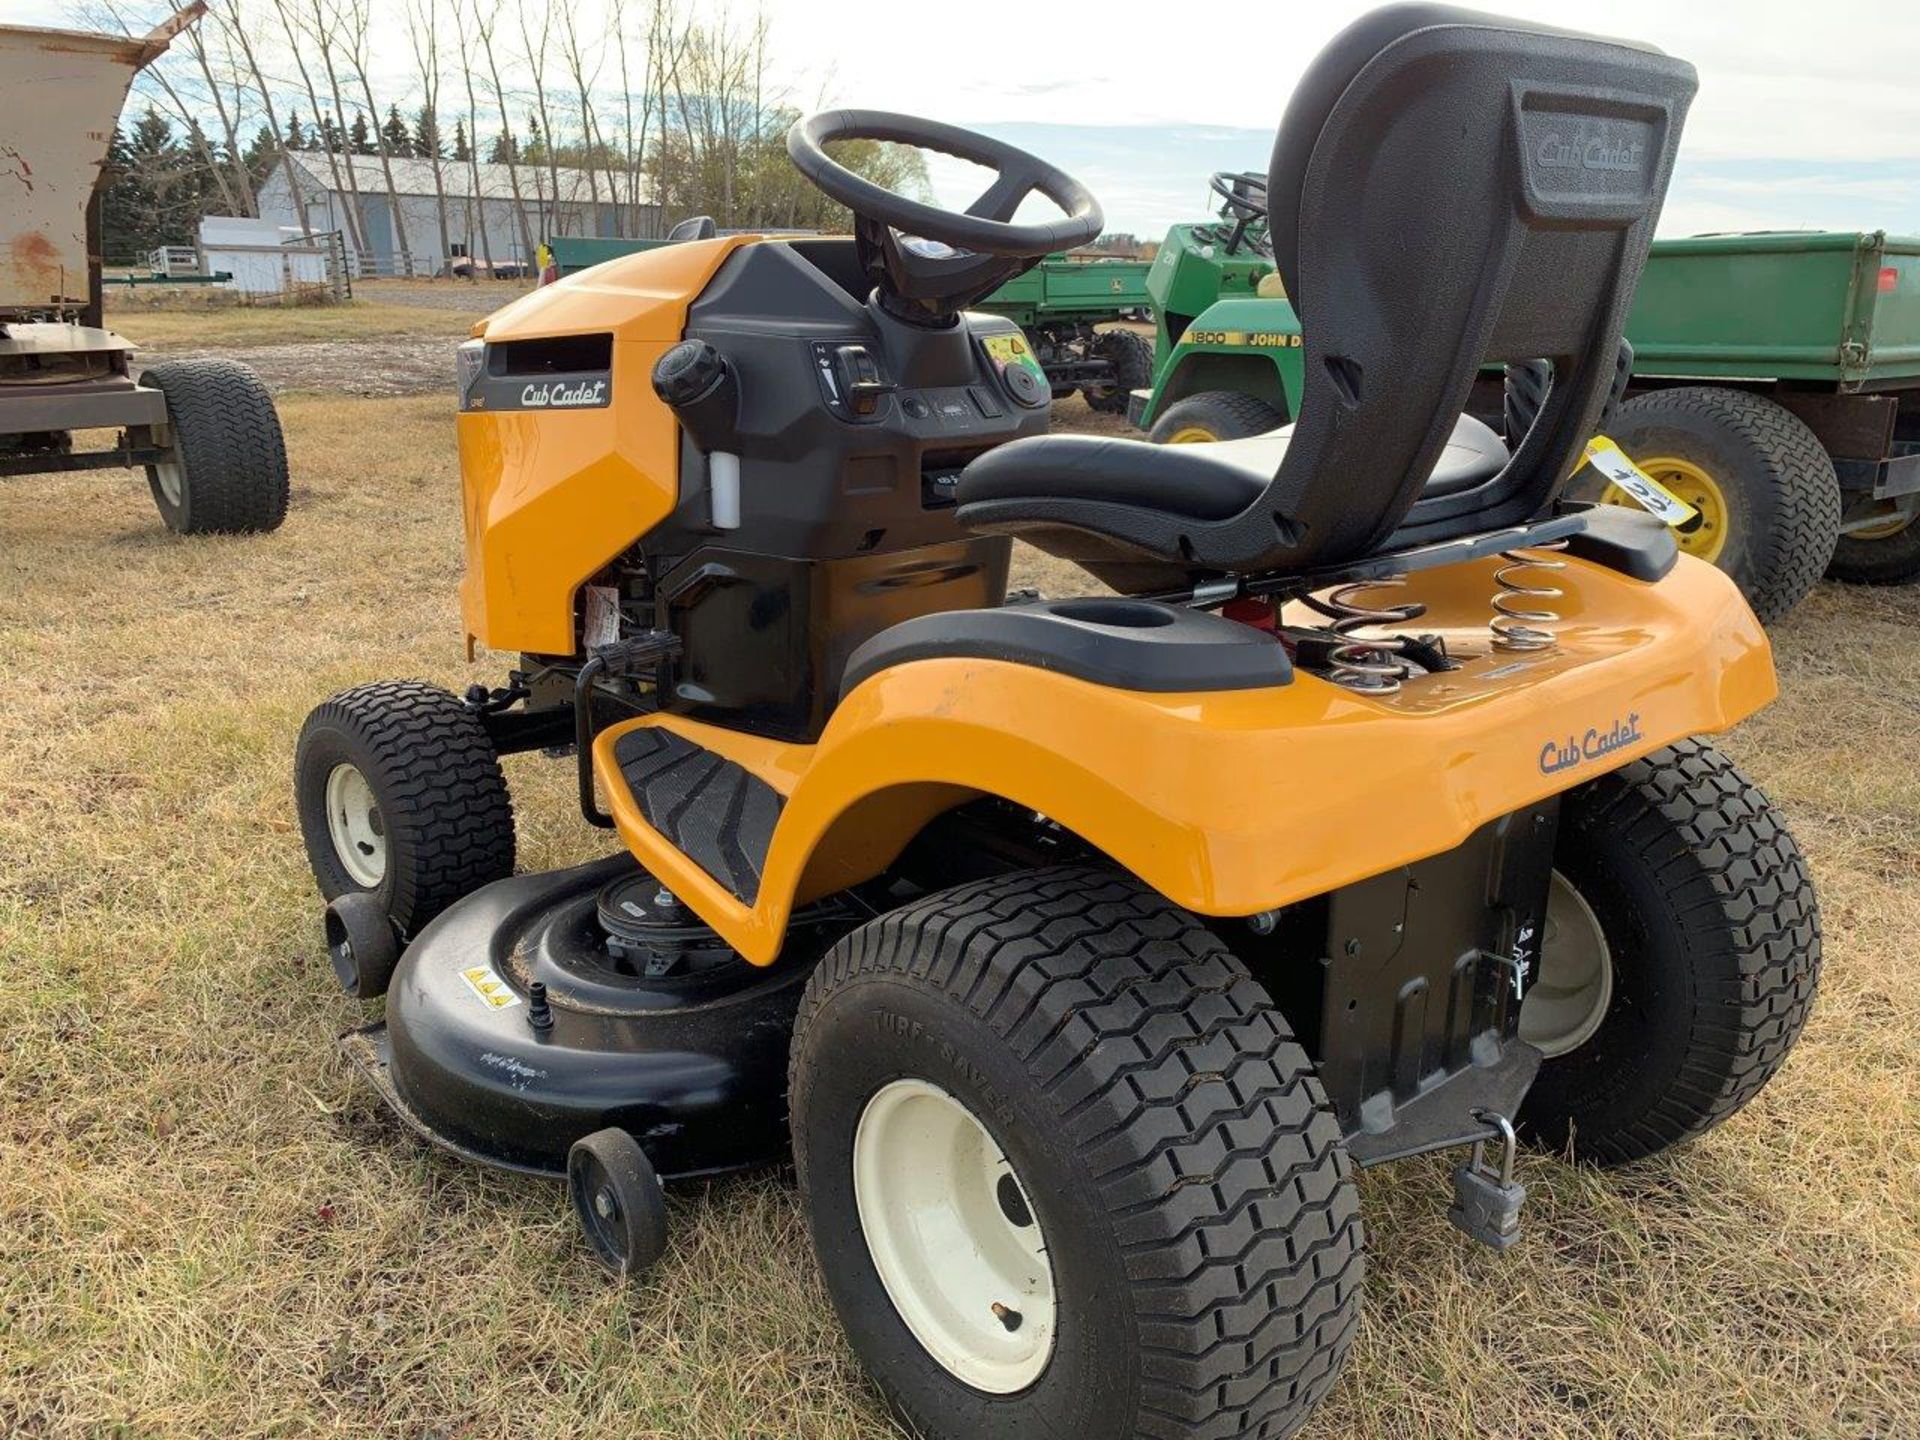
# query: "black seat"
(1214, 480)
(1448, 189)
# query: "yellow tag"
(494, 992)
(1633, 482)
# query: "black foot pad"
(716, 813)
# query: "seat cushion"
(1211, 481)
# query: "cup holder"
(1116, 614)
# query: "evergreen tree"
(394, 131)
(296, 137)
(427, 144)
(462, 152)
(536, 149)
(502, 151)
(360, 138)
(263, 153)
(330, 137)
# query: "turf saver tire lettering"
(230, 456)
(1182, 1159)
(438, 783)
(1782, 494)
(1714, 934)
(1221, 414)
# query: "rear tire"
(1713, 935)
(1780, 492)
(228, 471)
(1132, 360)
(1889, 559)
(428, 818)
(1214, 415)
(1157, 1122)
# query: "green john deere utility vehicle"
(1774, 387)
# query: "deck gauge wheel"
(617, 1196)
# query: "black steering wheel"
(929, 263)
(1243, 194)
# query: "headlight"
(469, 360)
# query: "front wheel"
(401, 796)
(1067, 1171)
(1887, 553)
(1679, 960)
(1132, 360)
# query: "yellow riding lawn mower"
(1079, 951)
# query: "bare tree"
(426, 55)
(230, 18)
(322, 33)
(357, 21)
(476, 198)
(537, 64)
(483, 27)
(298, 51)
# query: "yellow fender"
(1234, 802)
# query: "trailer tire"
(228, 474)
(1765, 472)
(1214, 415)
(1163, 1146)
(406, 773)
(1132, 360)
(1890, 558)
(1709, 925)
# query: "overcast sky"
(1808, 114)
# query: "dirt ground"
(210, 1226)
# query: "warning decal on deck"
(494, 992)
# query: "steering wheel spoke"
(1002, 198)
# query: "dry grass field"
(209, 1227)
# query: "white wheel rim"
(167, 472)
(1570, 996)
(355, 826)
(940, 1207)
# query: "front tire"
(1150, 1129)
(1882, 555)
(227, 474)
(400, 795)
(1706, 921)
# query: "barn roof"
(415, 177)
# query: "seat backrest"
(1450, 189)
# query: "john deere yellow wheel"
(1768, 497)
(1707, 536)
(1214, 415)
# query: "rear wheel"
(1680, 958)
(1214, 415)
(1768, 497)
(227, 473)
(1132, 360)
(1884, 554)
(1067, 1171)
(401, 796)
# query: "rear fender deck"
(1229, 802)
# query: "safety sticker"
(1638, 486)
(1005, 350)
(494, 992)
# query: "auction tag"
(492, 990)
(1645, 491)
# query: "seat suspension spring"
(1369, 664)
(1522, 621)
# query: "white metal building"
(487, 225)
(264, 258)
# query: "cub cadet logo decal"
(1594, 745)
(1260, 339)
(1559, 153)
(557, 396)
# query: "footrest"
(718, 814)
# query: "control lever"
(856, 375)
(695, 381)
